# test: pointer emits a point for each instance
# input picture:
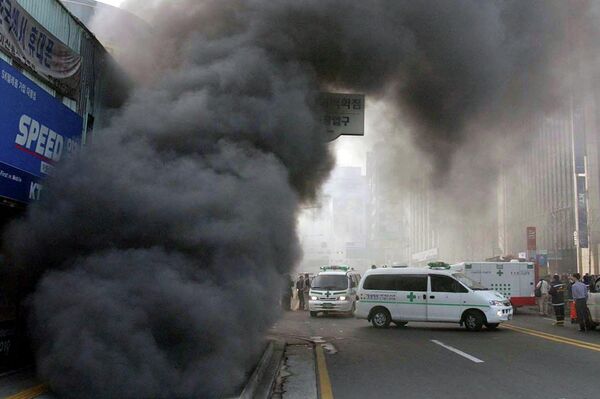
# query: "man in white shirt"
(542, 301)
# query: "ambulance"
(333, 290)
(402, 295)
(514, 280)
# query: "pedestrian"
(306, 290)
(580, 294)
(557, 292)
(586, 279)
(300, 291)
(541, 294)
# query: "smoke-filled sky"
(158, 251)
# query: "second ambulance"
(402, 295)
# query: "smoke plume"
(158, 251)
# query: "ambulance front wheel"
(473, 320)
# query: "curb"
(260, 383)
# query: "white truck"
(515, 280)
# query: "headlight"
(342, 298)
(493, 302)
(313, 298)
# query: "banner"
(36, 132)
(33, 45)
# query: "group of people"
(559, 290)
(302, 289)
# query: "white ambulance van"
(402, 295)
(333, 290)
(514, 280)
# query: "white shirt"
(544, 287)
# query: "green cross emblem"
(499, 272)
(411, 296)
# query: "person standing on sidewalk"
(300, 291)
(580, 294)
(306, 290)
(543, 288)
(557, 293)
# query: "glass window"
(381, 282)
(445, 284)
(396, 282)
(474, 285)
(411, 283)
(330, 282)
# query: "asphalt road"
(526, 358)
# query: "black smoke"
(158, 251)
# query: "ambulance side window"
(445, 284)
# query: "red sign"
(531, 239)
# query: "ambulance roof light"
(335, 267)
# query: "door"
(445, 298)
(411, 297)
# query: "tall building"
(554, 186)
(387, 210)
(333, 231)
(536, 190)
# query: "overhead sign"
(36, 132)
(343, 114)
(40, 50)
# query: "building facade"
(333, 231)
(54, 85)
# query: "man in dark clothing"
(557, 292)
(586, 279)
(300, 291)
(580, 295)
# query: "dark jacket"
(557, 292)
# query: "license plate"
(328, 305)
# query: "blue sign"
(36, 132)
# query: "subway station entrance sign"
(342, 114)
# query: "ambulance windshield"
(474, 285)
(330, 282)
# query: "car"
(333, 290)
(402, 295)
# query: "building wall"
(87, 98)
(333, 231)
(537, 189)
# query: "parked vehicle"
(333, 290)
(514, 280)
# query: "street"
(526, 358)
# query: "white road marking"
(458, 352)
